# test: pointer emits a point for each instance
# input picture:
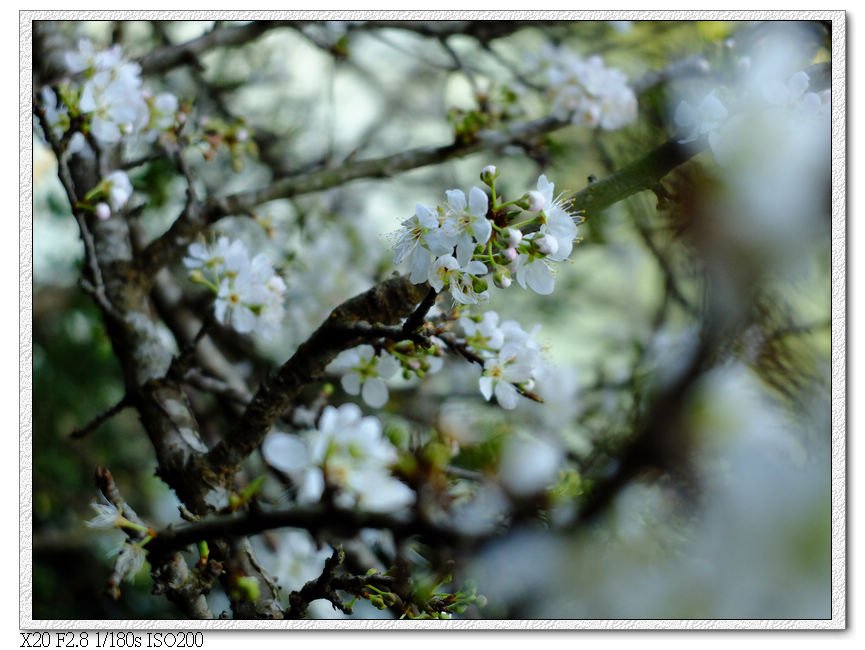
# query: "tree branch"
(186, 53)
(639, 175)
(315, 519)
(386, 304)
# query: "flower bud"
(547, 245)
(510, 254)
(103, 212)
(514, 237)
(536, 201)
(502, 278)
(479, 285)
(489, 174)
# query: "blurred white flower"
(530, 465)
(119, 189)
(586, 90)
(705, 118)
(346, 452)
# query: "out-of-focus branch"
(315, 519)
(639, 175)
(172, 56)
(383, 167)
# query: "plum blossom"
(365, 373)
(119, 189)
(107, 515)
(558, 222)
(706, 118)
(346, 452)
(588, 91)
(511, 366)
(483, 334)
(447, 273)
(250, 296)
(113, 97)
(533, 271)
(468, 224)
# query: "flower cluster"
(586, 90)
(112, 99)
(512, 357)
(249, 293)
(722, 125)
(346, 453)
(110, 104)
(441, 242)
(455, 245)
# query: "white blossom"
(250, 296)
(511, 366)
(484, 334)
(707, 117)
(586, 90)
(447, 273)
(533, 271)
(468, 223)
(346, 452)
(365, 373)
(558, 222)
(107, 515)
(118, 188)
(530, 465)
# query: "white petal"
(351, 383)
(465, 250)
(311, 487)
(506, 395)
(482, 229)
(387, 366)
(374, 392)
(486, 385)
(540, 279)
(478, 202)
(456, 199)
(421, 261)
(285, 452)
(425, 216)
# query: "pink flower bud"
(510, 254)
(103, 212)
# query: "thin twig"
(97, 421)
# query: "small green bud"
(502, 277)
(489, 174)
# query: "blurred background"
(718, 276)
